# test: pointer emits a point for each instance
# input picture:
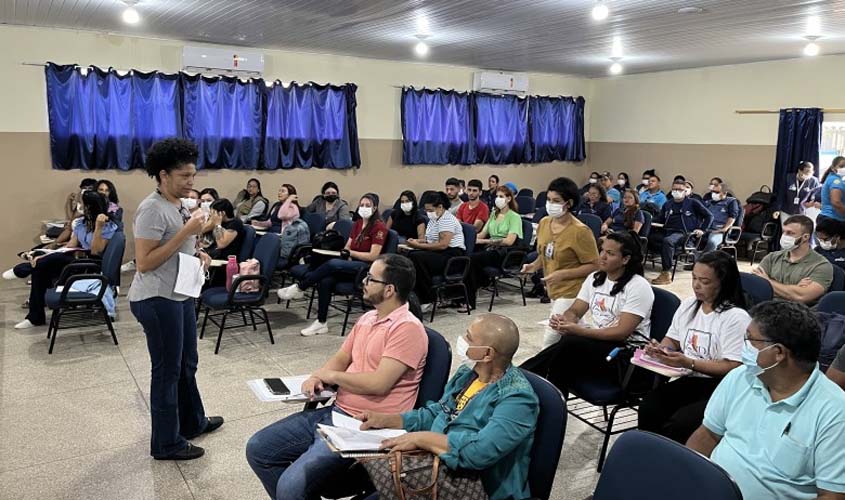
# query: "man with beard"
(378, 368)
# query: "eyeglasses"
(749, 339)
(369, 278)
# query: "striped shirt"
(447, 223)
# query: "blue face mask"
(749, 359)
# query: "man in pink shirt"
(378, 368)
(474, 211)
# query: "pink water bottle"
(231, 271)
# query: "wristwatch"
(692, 365)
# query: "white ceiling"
(555, 36)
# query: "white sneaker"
(426, 307)
(290, 293)
(316, 328)
(9, 275)
(128, 267)
(24, 325)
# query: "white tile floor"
(75, 424)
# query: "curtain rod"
(777, 111)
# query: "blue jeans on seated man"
(291, 461)
(326, 277)
(714, 239)
(668, 243)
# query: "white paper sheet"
(191, 276)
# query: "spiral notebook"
(346, 438)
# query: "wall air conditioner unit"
(223, 61)
(497, 82)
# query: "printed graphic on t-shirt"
(601, 308)
(698, 344)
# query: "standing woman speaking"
(163, 229)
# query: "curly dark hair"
(791, 325)
(169, 155)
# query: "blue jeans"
(668, 243)
(714, 240)
(175, 402)
(326, 277)
(291, 461)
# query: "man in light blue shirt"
(777, 424)
(653, 194)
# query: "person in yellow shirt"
(566, 248)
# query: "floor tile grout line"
(75, 457)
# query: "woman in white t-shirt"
(619, 300)
(706, 338)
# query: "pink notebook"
(643, 360)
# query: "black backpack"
(328, 240)
(758, 210)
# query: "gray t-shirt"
(158, 219)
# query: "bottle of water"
(231, 271)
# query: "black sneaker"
(190, 452)
(213, 424)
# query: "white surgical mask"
(749, 359)
(593, 181)
(716, 196)
(555, 209)
(365, 212)
(620, 182)
(205, 206)
(827, 244)
(431, 215)
(842, 172)
(189, 203)
(645, 180)
(501, 203)
(678, 195)
(788, 242)
(406, 207)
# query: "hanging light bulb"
(421, 48)
(811, 49)
(131, 16)
(600, 11)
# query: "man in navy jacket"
(680, 216)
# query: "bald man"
(486, 418)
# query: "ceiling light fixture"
(130, 15)
(600, 11)
(690, 10)
(811, 49)
(615, 68)
(421, 48)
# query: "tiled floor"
(75, 424)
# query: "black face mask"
(331, 198)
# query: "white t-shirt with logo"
(636, 298)
(714, 336)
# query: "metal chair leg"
(346, 315)
(267, 322)
(252, 317)
(434, 304)
(522, 290)
(220, 335)
(607, 434)
(493, 294)
(109, 324)
(55, 331)
(466, 299)
(204, 321)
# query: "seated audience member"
(623, 182)
(228, 231)
(714, 182)
(514, 189)
(619, 300)
(613, 194)
(73, 210)
(689, 189)
(836, 371)
(647, 175)
(473, 211)
(90, 234)
(679, 217)
(489, 196)
(406, 218)
(776, 424)
(364, 246)
(796, 272)
(502, 232)
(250, 203)
(725, 210)
(628, 217)
(444, 239)
(566, 251)
(705, 338)
(282, 213)
(592, 181)
(833, 195)
(831, 245)
(596, 203)
(652, 194)
(209, 195)
(378, 367)
(107, 189)
(329, 204)
(463, 190)
(799, 185)
(485, 420)
(453, 192)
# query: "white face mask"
(501, 202)
(645, 182)
(365, 212)
(189, 203)
(555, 209)
(678, 195)
(593, 181)
(826, 244)
(788, 242)
(431, 215)
(620, 182)
(406, 207)
(717, 196)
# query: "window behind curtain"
(437, 127)
(100, 119)
(557, 129)
(501, 129)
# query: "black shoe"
(189, 453)
(214, 423)
(545, 299)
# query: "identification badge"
(796, 200)
(550, 250)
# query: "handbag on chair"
(418, 475)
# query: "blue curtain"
(501, 129)
(799, 138)
(224, 117)
(437, 127)
(311, 126)
(557, 129)
(103, 120)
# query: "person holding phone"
(705, 337)
(164, 228)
